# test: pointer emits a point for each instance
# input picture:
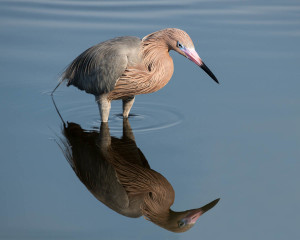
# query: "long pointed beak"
(193, 216)
(194, 57)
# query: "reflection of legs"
(104, 107)
(105, 139)
(127, 104)
(127, 131)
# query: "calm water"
(239, 140)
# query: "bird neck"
(157, 193)
(154, 51)
(159, 40)
(157, 61)
(158, 200)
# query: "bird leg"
(127, 104)
(104, 106)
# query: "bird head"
(183, 221)
(181, 42)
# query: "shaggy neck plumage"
(157, 61)
(154, 51)
(155, 72)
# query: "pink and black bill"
(207, 70)
(194, 214)
(192, 55)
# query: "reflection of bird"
(116, 172)
(123, 67)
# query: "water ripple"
(136, 14)
(144, 116)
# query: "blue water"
(239, 140)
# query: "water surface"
(238, 140)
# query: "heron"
(118, 174)
(123, 67)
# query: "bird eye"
(181, 224)
(179, 44)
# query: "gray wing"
(98, 68)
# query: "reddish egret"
(123, 67)
(117, 173)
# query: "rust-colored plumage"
(117, 173)
(123, 67)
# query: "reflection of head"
(179, 221)
(116, 172)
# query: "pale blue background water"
(238, 140)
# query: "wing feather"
(98, 69)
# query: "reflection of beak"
(194, 57)
(194, 214)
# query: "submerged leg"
(127, 104)
(104, 107)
